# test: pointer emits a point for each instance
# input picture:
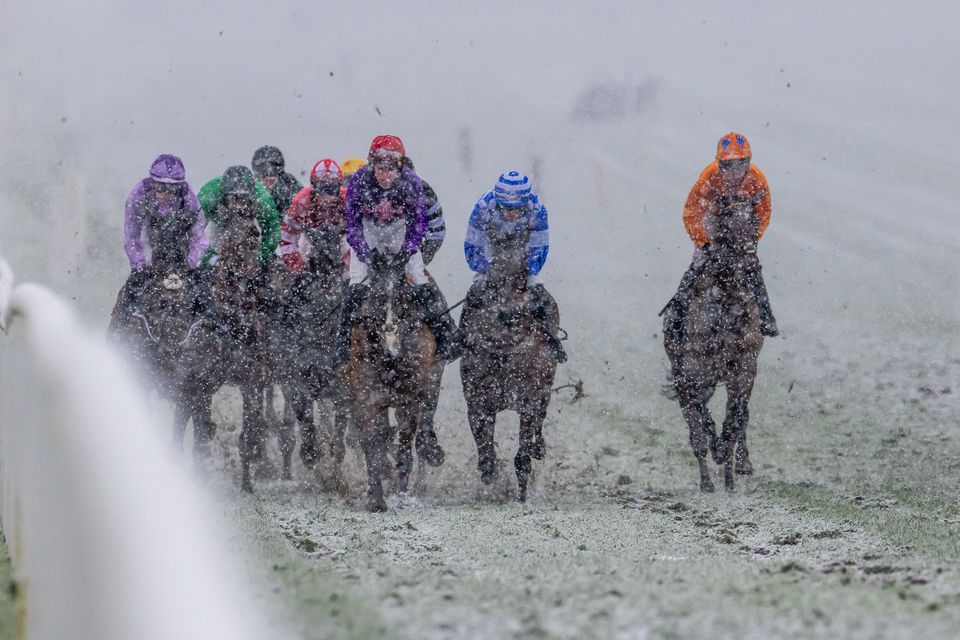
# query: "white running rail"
(108, 536)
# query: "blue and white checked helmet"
(512, 189)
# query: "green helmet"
(237, 181)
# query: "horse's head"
(388, 309)
(735, 229)
(240, 236)
(733, 243)
(326, 254)
(170, 241)
(509, 261)
(165, 313)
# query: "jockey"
(239, 181)
(730, 179)
(504, 210)
(319, 205)
(436, 227)
(386, 213)
(268, 168)
(162, 194)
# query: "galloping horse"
(506, 364)
(721, 345)
(391, 356)
(231, 344)
(302, 346)
(159, 325)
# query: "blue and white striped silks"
(487, 222)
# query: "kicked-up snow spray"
(108, 536)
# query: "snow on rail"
(107, 534)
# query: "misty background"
(612, 108)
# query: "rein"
(153, 338)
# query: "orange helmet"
(733, 146)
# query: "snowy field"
(850, 527)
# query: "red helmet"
(387, 146)
(326, 169)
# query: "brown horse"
(391, 358)
(156, 316)
(506, 363)
(230, 347)
(721, 344)
(302, 344)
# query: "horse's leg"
(203, 428)
(286, 437)
(251, 434)
(728, 438)
(269, 411)
(695, 412)
(338, 447)
(308, 431)
(181, 416)
(373, 441)
(738, 410)
(407, 422)
(531, 421)
(482, 427)
(428, 448)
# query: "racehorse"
(392, 353)
(721, 344)
(230, 346)
(156, 316)
(302, 346)
(506, 363)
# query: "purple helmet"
(168, 169)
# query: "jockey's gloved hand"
(400, 258)
(377, 260)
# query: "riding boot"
(356, 293)
(680, 302)
(437, 317)
(544, 311)
(768, 324)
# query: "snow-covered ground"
(850, 527)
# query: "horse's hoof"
(539, 449)
(377, 505)
(706, 485)
(488, 470)
(487, 476)
(309, 457)
(287, 475)
(744, 467)
(246, 487)
(728, 478)
(428, 449)
(719, 451)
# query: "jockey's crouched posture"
(162, 198)
(386, 215)
(504, 211)
(237, 192)
(731, 179)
